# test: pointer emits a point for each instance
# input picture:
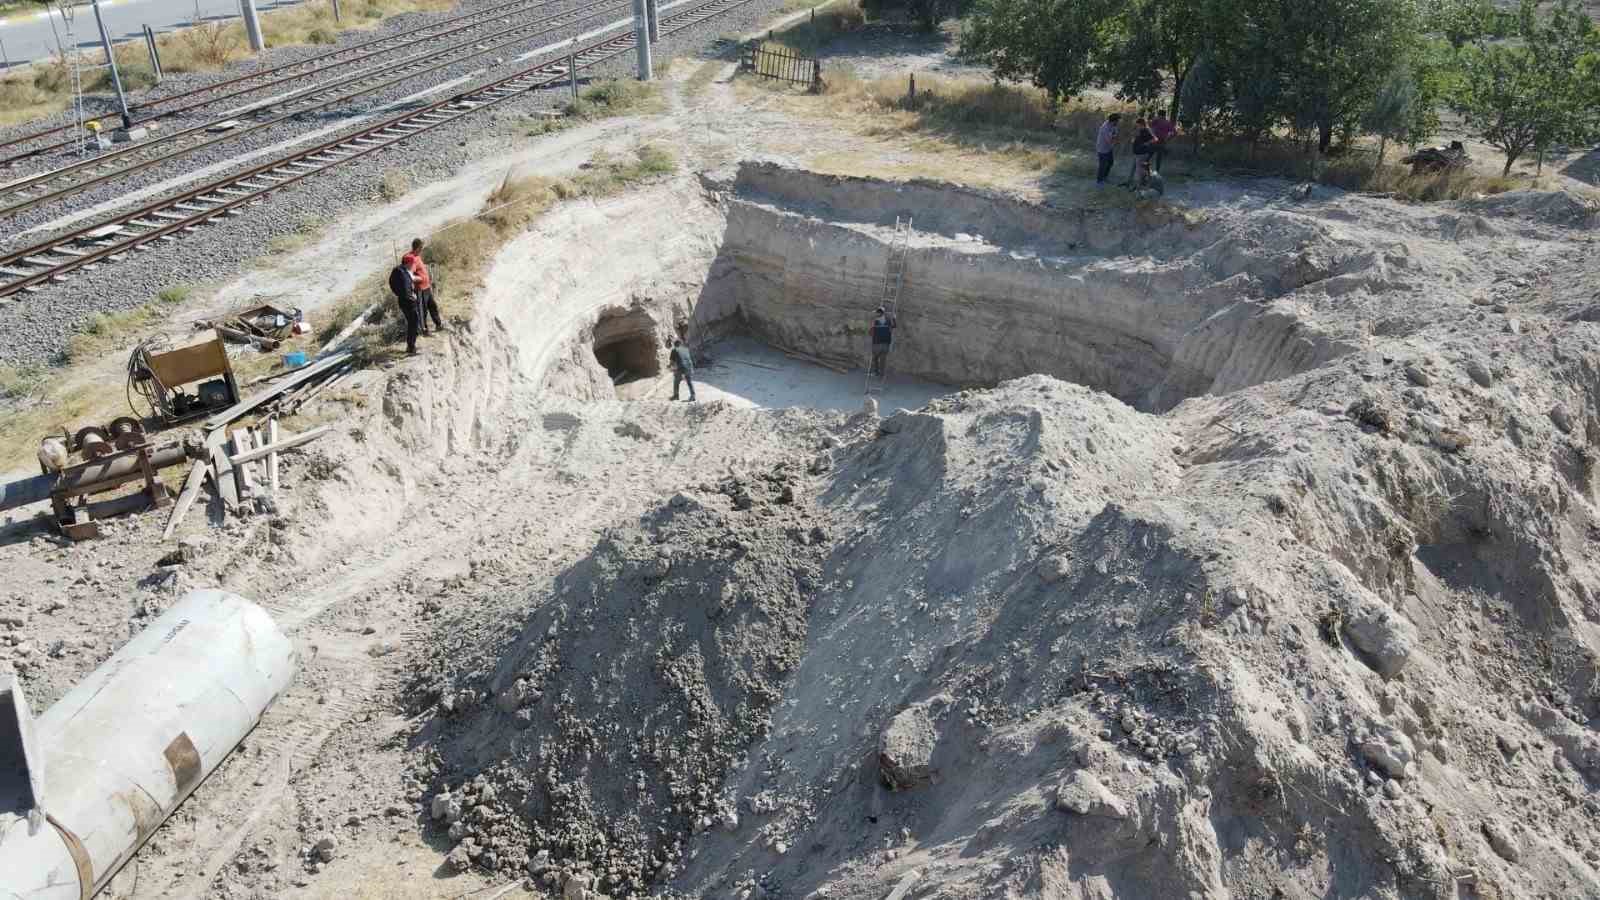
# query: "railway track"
(33, 191)
(17, 149)
(165, 220)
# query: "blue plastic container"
(294, 360)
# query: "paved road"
(28, 36)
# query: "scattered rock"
(1082, 793)
(1561, 418)
(1417, 376)
(1388, 749)
(1501, 840)
(905, 749)
(324, 848)
(446, 808)
(1479, 373)
(1384, 637)
(1054, 568)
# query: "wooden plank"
(244, 337)
(350, 329)
(272, 458)
(288, 443)
(294, 405)
(191, 489)
(240, 443)
(222, 469)
(247, 405)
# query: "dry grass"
(45, 88)
(459, 254)
(394, 185)
(830, 22)
(616, 97)
(1018, 127)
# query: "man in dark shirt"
(682, 368)
(882, 336)
(1144, 144)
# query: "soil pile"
(585, 746)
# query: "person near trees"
(1105, 147)
(1165, 130)
(1144, 145)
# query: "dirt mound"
(590, 742)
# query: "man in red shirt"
(1165, 131)
(424, 285)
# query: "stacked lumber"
(241, 461)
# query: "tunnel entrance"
(625, 344)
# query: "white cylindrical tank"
(125, 746)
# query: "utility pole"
(641, 36)
(654, 14)
(111, 61)
(252, 27)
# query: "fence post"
(572, 75)
(337, 16)
(155, 55)
(911, 93)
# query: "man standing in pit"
(882, 336)
(405, 293)
(682, 368)
(424, 286)
(1105, 146)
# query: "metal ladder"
(894, 278)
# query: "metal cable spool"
(127, 432)
(93, 442)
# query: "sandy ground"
(458, 483)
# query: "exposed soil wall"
(1149, 304)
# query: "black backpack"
(400, 282)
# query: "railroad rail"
(287, 72)
(164, 220)
(49, 187)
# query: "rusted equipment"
(1438, 159)
(75, 513)
(166, 378)
(83, 786)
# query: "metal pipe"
(130, 742)
(26, 491)
(111, 60)
(98, 476)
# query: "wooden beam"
(222, 470)
(272, 458)
(288, 443)
(247, 405)
(350, 329)
(245, 337)
(241, 443)
(191, 489)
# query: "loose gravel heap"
(590, 745)
(39, 325)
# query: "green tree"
(1055, 45)
(1153, 46)
(1538, 92)
(1393, 111)
(1337, 53)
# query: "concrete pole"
(155, 55)
(252, 26)
(654, 15)
(641, 33)
(111, 60)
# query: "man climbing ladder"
(884, 321)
